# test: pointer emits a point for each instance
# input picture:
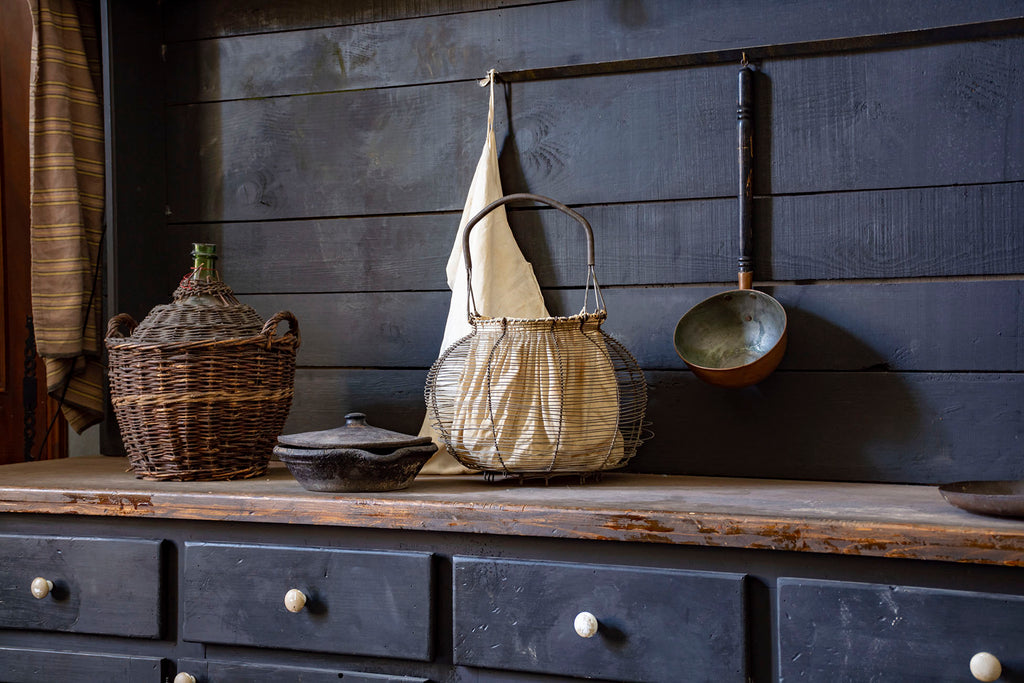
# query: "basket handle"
(270, 327)
(114, 325)
(591, 276)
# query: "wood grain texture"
(379, 52)
(910, 633)
(915, 427)
(100, 585)
(932, 115)
(18, 664)
(875, 426)
(823, 124)
(270, 673)
(652, 624)
(881, 520)
(370, 152)
(853, 326)
(364, 603)
(411, 150)
(195, 19)
(928, 232)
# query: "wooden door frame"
(22, 376)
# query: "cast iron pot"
(354, 457)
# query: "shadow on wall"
(804, 424)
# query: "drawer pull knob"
(184, 677)
(41, 587)
(986, 667)
(294, 600)
(585, 625)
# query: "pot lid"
(355, 433)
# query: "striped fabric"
(67, 164)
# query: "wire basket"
(194, 400)
(540, 396)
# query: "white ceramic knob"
(986, 667)
(294, 600)
(585, 625)
(41, 587)
(184, 677)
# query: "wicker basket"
(201, 391)
(537, 397)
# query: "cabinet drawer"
(99, 585)
(47, 666)
(839, 631)
(362, 603)
(240, 672)
(653, 624)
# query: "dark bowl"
(355, 469)
(1000, 498)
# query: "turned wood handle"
(294, 600)
(745, 149)
(41, 587)
(585, 625)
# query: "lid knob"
(355, 419)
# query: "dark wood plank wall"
(328, 147)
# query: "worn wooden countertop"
(826, 517)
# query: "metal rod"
(984, 29)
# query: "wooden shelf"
(825, 517)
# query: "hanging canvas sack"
(547, 395)
(503, 280)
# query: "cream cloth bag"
(504, 284)
(538, 396)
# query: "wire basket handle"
(591, 276)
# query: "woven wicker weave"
(201, 389)
(538, 397)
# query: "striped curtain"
(67, 162)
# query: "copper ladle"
(736, 338)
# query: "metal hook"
(492, 75)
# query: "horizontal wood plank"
(391, 399)
(823, 124)
(196, 19)
(883, 520)
(378, 52)
(344, 154)
(929, 232)
(924, 428)
(844, 426)
(934, 115)
(19, 664)
(831, 327)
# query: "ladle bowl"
(733, 339)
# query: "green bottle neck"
(204, 263)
